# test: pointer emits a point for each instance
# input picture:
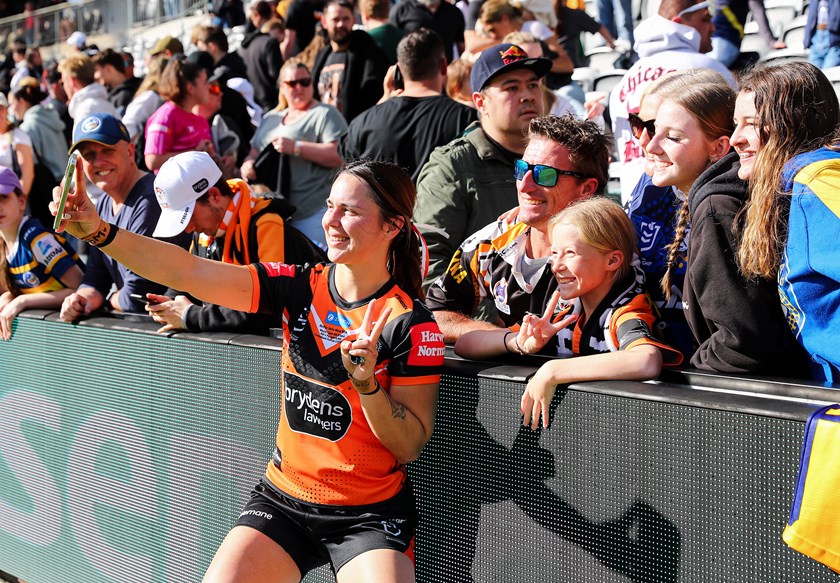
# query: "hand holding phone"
(144, 299)
(65, 190)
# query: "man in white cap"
(107, 157)
(227, 224)
(78, 41)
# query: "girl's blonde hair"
(604, 225)
(712, 104)
(796, 111)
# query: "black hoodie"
(263, 60)
(739, 324)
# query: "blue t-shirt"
(139, 214)
(40, 258)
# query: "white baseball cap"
(182, 180)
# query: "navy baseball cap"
(102, 128)
(502, 58)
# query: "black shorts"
(316, 534)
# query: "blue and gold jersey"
(39, 258)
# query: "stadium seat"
(784, 56)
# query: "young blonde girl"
(604, 316)
(37, 268)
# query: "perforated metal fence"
(126, 456)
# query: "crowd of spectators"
(235, 154)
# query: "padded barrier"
(126, 455)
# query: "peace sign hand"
(359, 356)
(535, 332)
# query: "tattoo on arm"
(397, 410)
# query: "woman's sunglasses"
(637, 126)
(543, 175)
(295, 82)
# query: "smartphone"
(68, 179)
(144, 299)
(399, 83)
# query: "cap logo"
(161, 197)
(91, 124)
(201, 186)
(513, 54)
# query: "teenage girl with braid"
(737, 323)
(360, 373)
(791, 218)
(653, 211)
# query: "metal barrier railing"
(48, 26)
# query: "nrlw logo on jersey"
(427, 348)
(313, 409)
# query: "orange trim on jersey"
(676, 356)
(637, 309)
(413, 381)
(255, 292)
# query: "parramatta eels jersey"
(326, 453)
(39, 258)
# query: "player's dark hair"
(393, 192)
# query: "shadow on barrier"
(465, 460)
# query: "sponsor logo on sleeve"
(427, 348)
(47, 250)
(279, 269)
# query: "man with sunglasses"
(468, 182)
(506, 262)
(674, 39)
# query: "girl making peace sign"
(605, 318)
(360, 372)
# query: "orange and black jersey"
(326, 452)
(622, 320)
(490, 264)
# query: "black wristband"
(374, 391)
(99, 239)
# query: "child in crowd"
(737, 322)
(37, 268)
(790, 221)
(605, 318)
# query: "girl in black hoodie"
(738, 324)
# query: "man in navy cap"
(469, 182)
(107, 157)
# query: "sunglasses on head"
(543, 175)
(295, 82)
(638, 125)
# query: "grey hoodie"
(46, 130)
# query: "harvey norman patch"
(427, 348)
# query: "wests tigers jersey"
(326, 453)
